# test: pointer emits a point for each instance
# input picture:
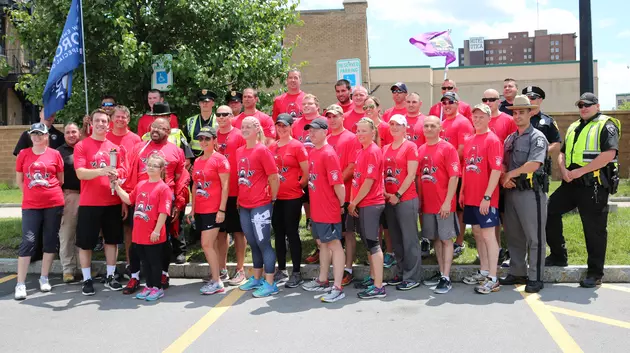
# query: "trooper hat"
(521, 102)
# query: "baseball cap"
(285, 119)
(207, 131)
(335, 109)
(484, 109)
(318, 123)
(38, 127)
(589, 98)
(452, 96)
(399, 119)
(399, 85)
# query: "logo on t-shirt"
(142, 206)
(334, 175)
(202, 184)
(294, 110)
(38, 175)
(356, 176)
(281, 168)
(473, 160)
(100, 160)
(428, 169)
(391, 172)
(244, 173)
(306, 140)
(455, 167)
(311, 177)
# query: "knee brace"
(373, 246)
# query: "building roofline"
(322, 11)
(622, 94)
(477, 66)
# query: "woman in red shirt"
(292, 161)
(211, 177)
(257, 190)
(39, 175)
(152, 200)
(367, 203)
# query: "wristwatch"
(486, 197)
(398, 195)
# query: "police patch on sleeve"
(612, 130)
(540, 142)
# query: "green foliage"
(624, 106)
(5, 68)
(216, 44)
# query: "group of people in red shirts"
(354, 169)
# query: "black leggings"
(285, 221)
(151, 258)
(165, 257)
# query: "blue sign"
(352, 78)
(161, 77)
(350, 69)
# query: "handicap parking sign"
(352, 78)
(161, 77)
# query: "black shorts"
(129, 220)
(206, 221)
(92, 219)
(459, 187)
(232, 223)
(305, 197)
(40, 224)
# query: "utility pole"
(586, 48)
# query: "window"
(500, 41)
(551, 43)
(557, 50)
(557, 57)
(524, 50)
(488, 51)
(491, 42)
(524, 56)
(552, 58)
(529, 50)
(531, 40)
(552, 49)
(620, 102)
(557, 43)
(524, 35)
(491, 51)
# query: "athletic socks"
(349, 270)
(447, 277)
(484, 273)
(110, 270)
(136, 275)
(493, 279)
(87, 273)
(164, 273)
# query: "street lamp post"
(586, 48)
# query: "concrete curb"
(569, 274)
(10, 205)
(619, 199)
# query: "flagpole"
(445, 77)
(85, 79)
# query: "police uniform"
(544, 123)
(196, 122)
(526, 205)
(585, 140)
(504, 107)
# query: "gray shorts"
(370, 221)
(435, 227)
(326, 232)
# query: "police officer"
(176, 136)
(525, 199)
(234, 100)
(588, 164)
(544, 123)
(205, 117)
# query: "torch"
(113, 162)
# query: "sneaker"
(433, 280)
(112, 283)
(425, 248)
(333, 295)
(68, 278)
(477, 278)
(347, 278)
(238, 278)
(511, 280)
(143, 295)
(155, 294)
(127, 273)
(99, 246)
(180, 259)
(313, 258)
(395, 281)
(458, 249)
(44, 285)
(132, 286)
(88, 287)
(389, 260)
(223, 275)
(281, 276)
(407, 285)
(488, 287)
(165, 281)
(252, 283)
(551, 261)
(294, 281)
(443, 286)
(212, 287)
(534, 286)
(20, 292)
(316, 286)
(117, 275)
(365, 284)
(265, 290)
(372, 292)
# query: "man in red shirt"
(415, 119)
(464, 109)
(291, 101)
(144, 124)
(342, 91)
(510, 90)
(479, 196)
(100, 208)
(250, 99)
(234, 100)
(351, 118)
(399, 96)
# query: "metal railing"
(17, 59)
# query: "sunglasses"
(533, 96)
(585, 105)
(398, 91)
(37, 133)
(448, 102)
(486, 100)
(223, 114)
(369, 106)
(204, 138)
(444, 88)
(107, 104)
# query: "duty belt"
(532, 181)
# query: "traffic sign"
(162, 76)
(350, 69)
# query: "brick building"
(621, 98)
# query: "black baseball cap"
(318, 123)
(285, 119)
(207, 131)
(588, 98)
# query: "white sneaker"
(20, 292)
(44, 285)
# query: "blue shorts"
(473, 217)
(326, 232)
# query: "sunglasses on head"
(486, 100)
(585, 105)
(448, 102)
(445, 88)
(398, 91)
(369, 106)
(223, 114)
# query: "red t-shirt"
(393, 111)
(288, 159)
(369, 165)
(456, 130)
(418, 133)
(502, 125)
(347, 146)
(126, 142)
(384, 134)
(145, 121)
(254, 167)
(269, 129)
(149, 199)
(483, 153)
(227, 144)
(41, 188)
(395, 168)
(323, 173)
(288, 103)
(298, 132)
(436, 165)
(206, 178)
(173, 155)
(350, 120)
(411, 127)
(93, 154)
(463, 109)
(348, 107)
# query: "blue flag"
(68, 56)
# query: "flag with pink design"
(435, 44)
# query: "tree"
(216, 44)
(624, 106)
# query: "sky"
(392, 22)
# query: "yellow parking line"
(549, 321)
(7, 278)
(585, 316)
(619, 288)
(196, 330)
